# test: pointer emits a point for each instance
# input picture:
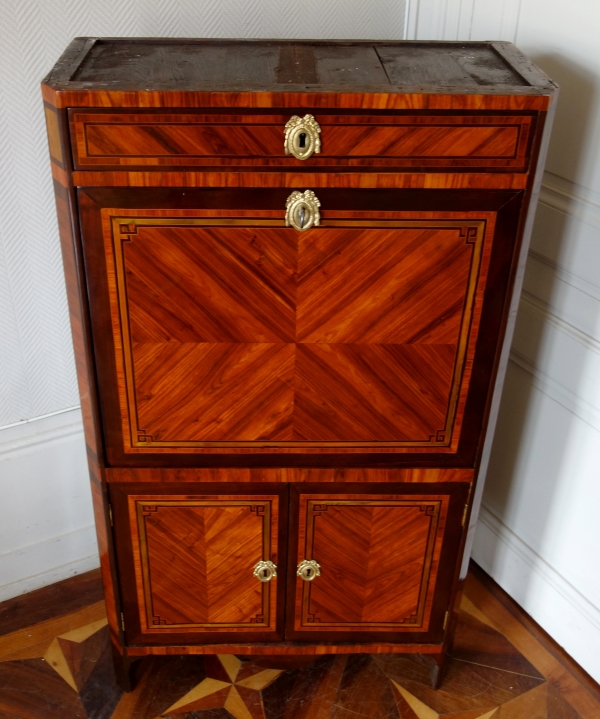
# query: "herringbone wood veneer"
(379, 558)
(194, 561)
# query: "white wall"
(539, 533)
(46, 523)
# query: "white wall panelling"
(538, 534)
(46, 527)
(542, 484)
(538, 587)
(45, 514)
(462, 20)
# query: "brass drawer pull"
(302, 137)
(265, 570)
(308, 569)
(302, 210)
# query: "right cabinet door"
(378, 561)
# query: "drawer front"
(124, 140)
(376, 561)
(187, 561)
(231, 333)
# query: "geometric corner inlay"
(226, 685)
(419, 708)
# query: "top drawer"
(116, 139)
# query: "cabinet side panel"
(78, 312)
(527, 217)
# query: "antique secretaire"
(292, 271)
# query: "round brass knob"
(265, 570)
(308, 569)
(302, 210)
(302, 137)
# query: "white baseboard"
(57, 559)
(33, 434)
(553, 602)
(46, 520)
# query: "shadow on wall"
(533, 450)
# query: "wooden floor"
(55, 664)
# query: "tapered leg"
(437, 667)
(123, 671)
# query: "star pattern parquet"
(61, 668)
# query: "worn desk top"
(148, 64)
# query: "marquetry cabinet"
(292, 270)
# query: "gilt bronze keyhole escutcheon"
(265, 570)
(302, 210)
(302, 137)
(308, 569)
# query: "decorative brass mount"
(308, 569)
(265, 570)
(302, 210)
(302, 137)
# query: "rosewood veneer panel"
(187, 560)
(237, 330)
(379, 553)
(289, 474)
(117, 139)
(376, 560)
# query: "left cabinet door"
(187, 557)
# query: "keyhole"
(265, 572)
(307, 572)
(302, 140)
(302, 214)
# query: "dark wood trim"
(72, 254)
(517, 274)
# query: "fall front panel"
(372, 564)
(263, 334)
(227, 332)
(190, 562)
(230, 330)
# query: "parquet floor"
(55, 664)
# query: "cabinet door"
(187, 560)
(379, 562)
(219, 330)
